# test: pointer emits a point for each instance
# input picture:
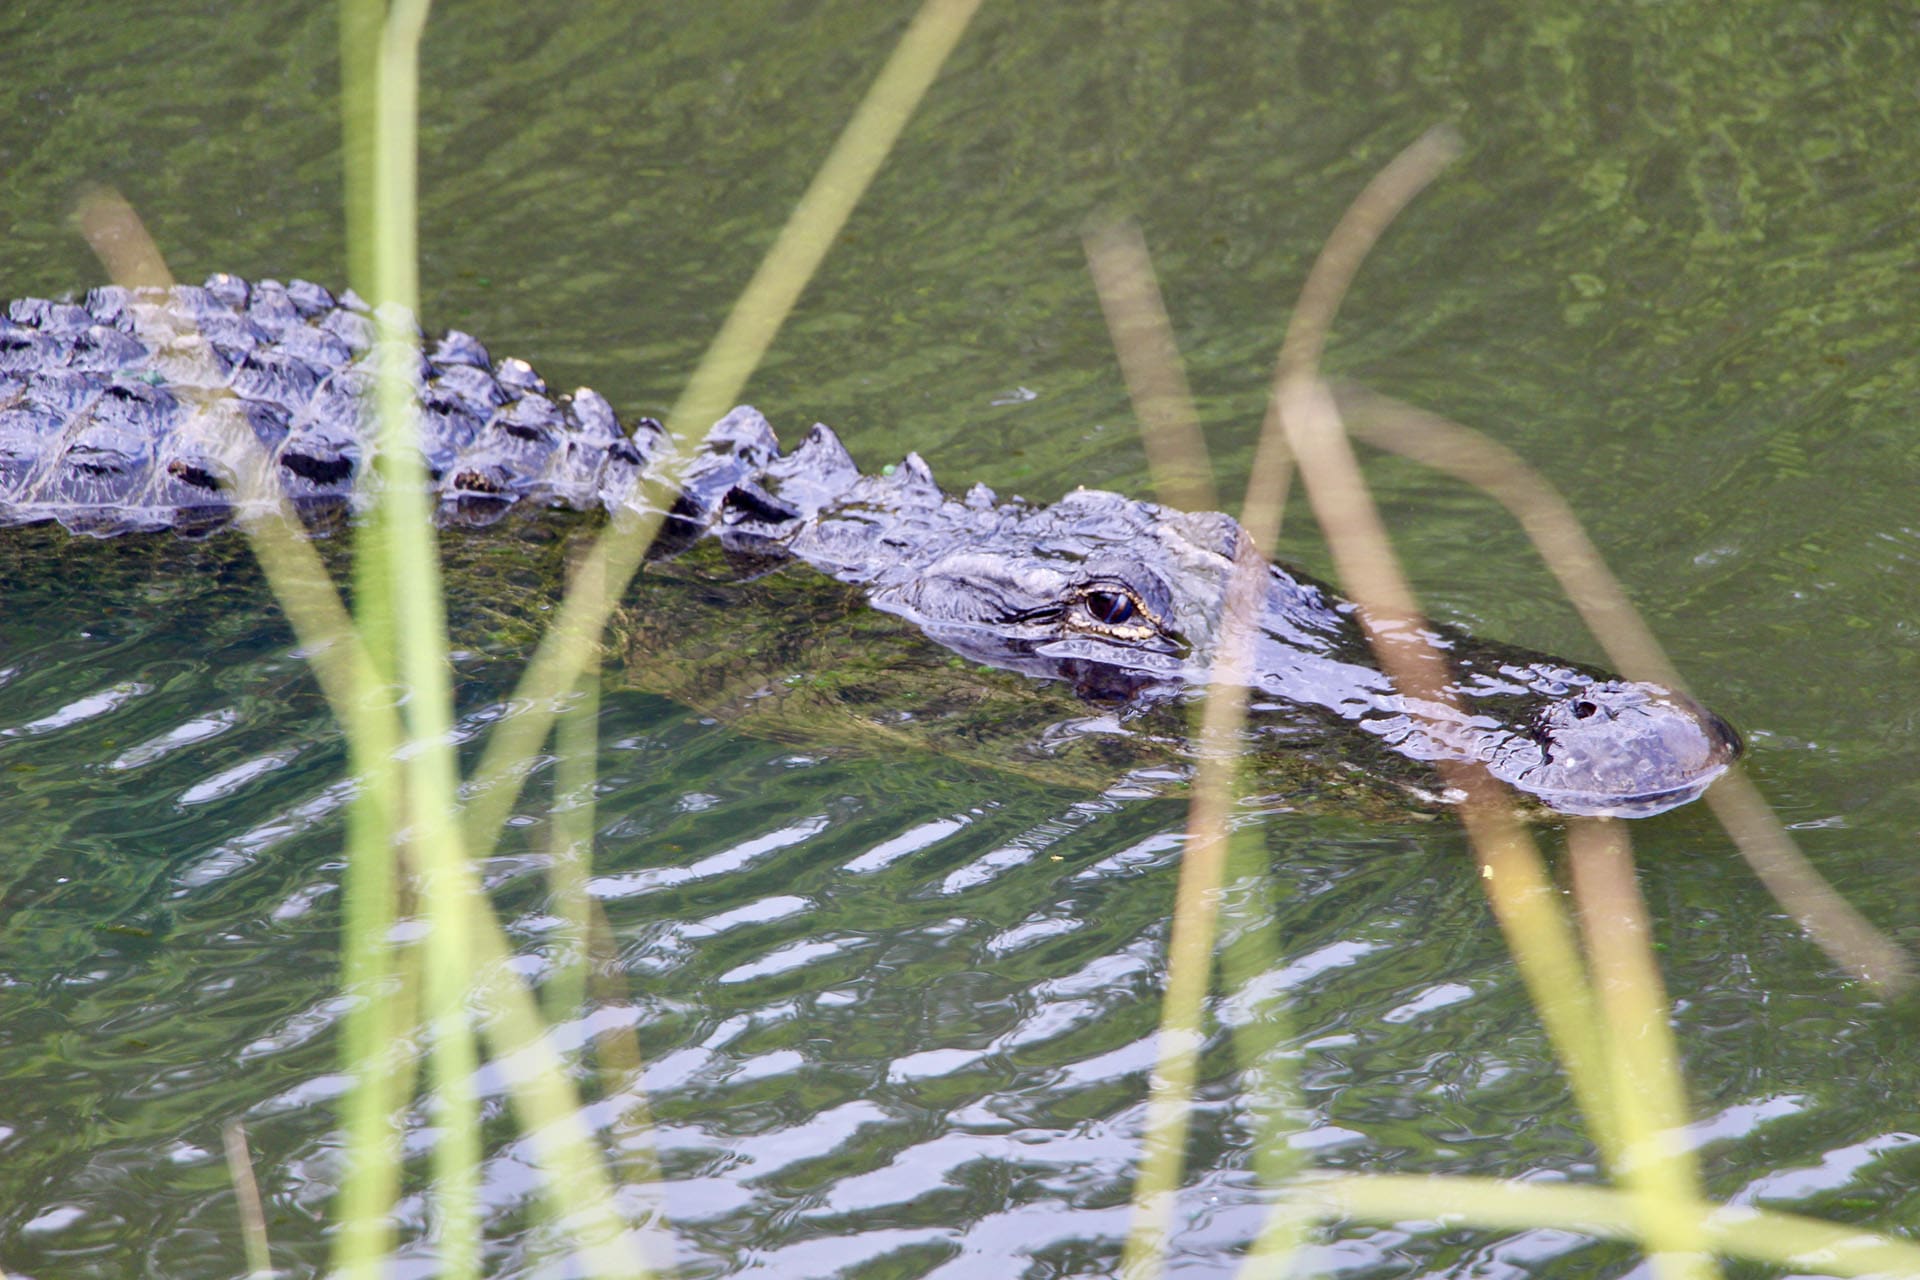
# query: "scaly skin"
(120, 414)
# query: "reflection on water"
(897, 1010)
(893, 1011)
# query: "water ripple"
(80, 710)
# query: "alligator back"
(135, 410)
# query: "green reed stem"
(1785, 1240)
(1190, 947)
(1848, 937)
(379, 1017)
(576, 1188)
(1657, 1162)
(1263, 1045)
(576, 746)
(743, 338)
(1156, 377)
(1176, 454)
(414, 809)
(374, 1037)
(253, 1218)
(1629, 1092)
(415, 603)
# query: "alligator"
(138, 411)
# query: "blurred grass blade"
(582, 975)
(380, 1052)
(1526, 903)
(1338, 495)
(575, 1185)
(299, 580)
(1657, 1161)
(1784, 1240)
(1150, 362)
(1829, 919)
(1262, 1039)
(1189, 970)
(378, 1045)
(816, 220)
(467, 956)
(570, 857)
(253, 1218)
(115, 234)
(357, 696)
(1575, 562)
(1360, 228)
(1142, 337)
(412, 602)
(749, 328)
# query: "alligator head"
(1125, 600)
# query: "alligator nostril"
(1585, 710)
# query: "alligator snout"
(1617, 749)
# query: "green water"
(899, 1010)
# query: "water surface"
(898, 1009)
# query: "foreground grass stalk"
(1784, 1240)
(321, 625)
(1623, 1066)
(1223, 718)
(743, 338)
(380, 1016)
(1263, 1041)
(1546, 953)
(1657, 1162)
(1150, 362)
(578, 976)
(578, 1191)
(1176, 454)
(1576, 564)
(406, 621)
(1296, 377)
(1829, 919)
(1190, 941)
(253, 1218)
(378, 1051)
(576, 750)
(816, 220)
(356, 690)
(583, 940)
(414, 602)
(571, 830)
(378, 1046)
(1628, 1091)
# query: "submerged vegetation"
(439, 994)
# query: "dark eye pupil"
(1110, 607)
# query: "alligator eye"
(1113, 608)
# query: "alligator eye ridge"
(1113, 608)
